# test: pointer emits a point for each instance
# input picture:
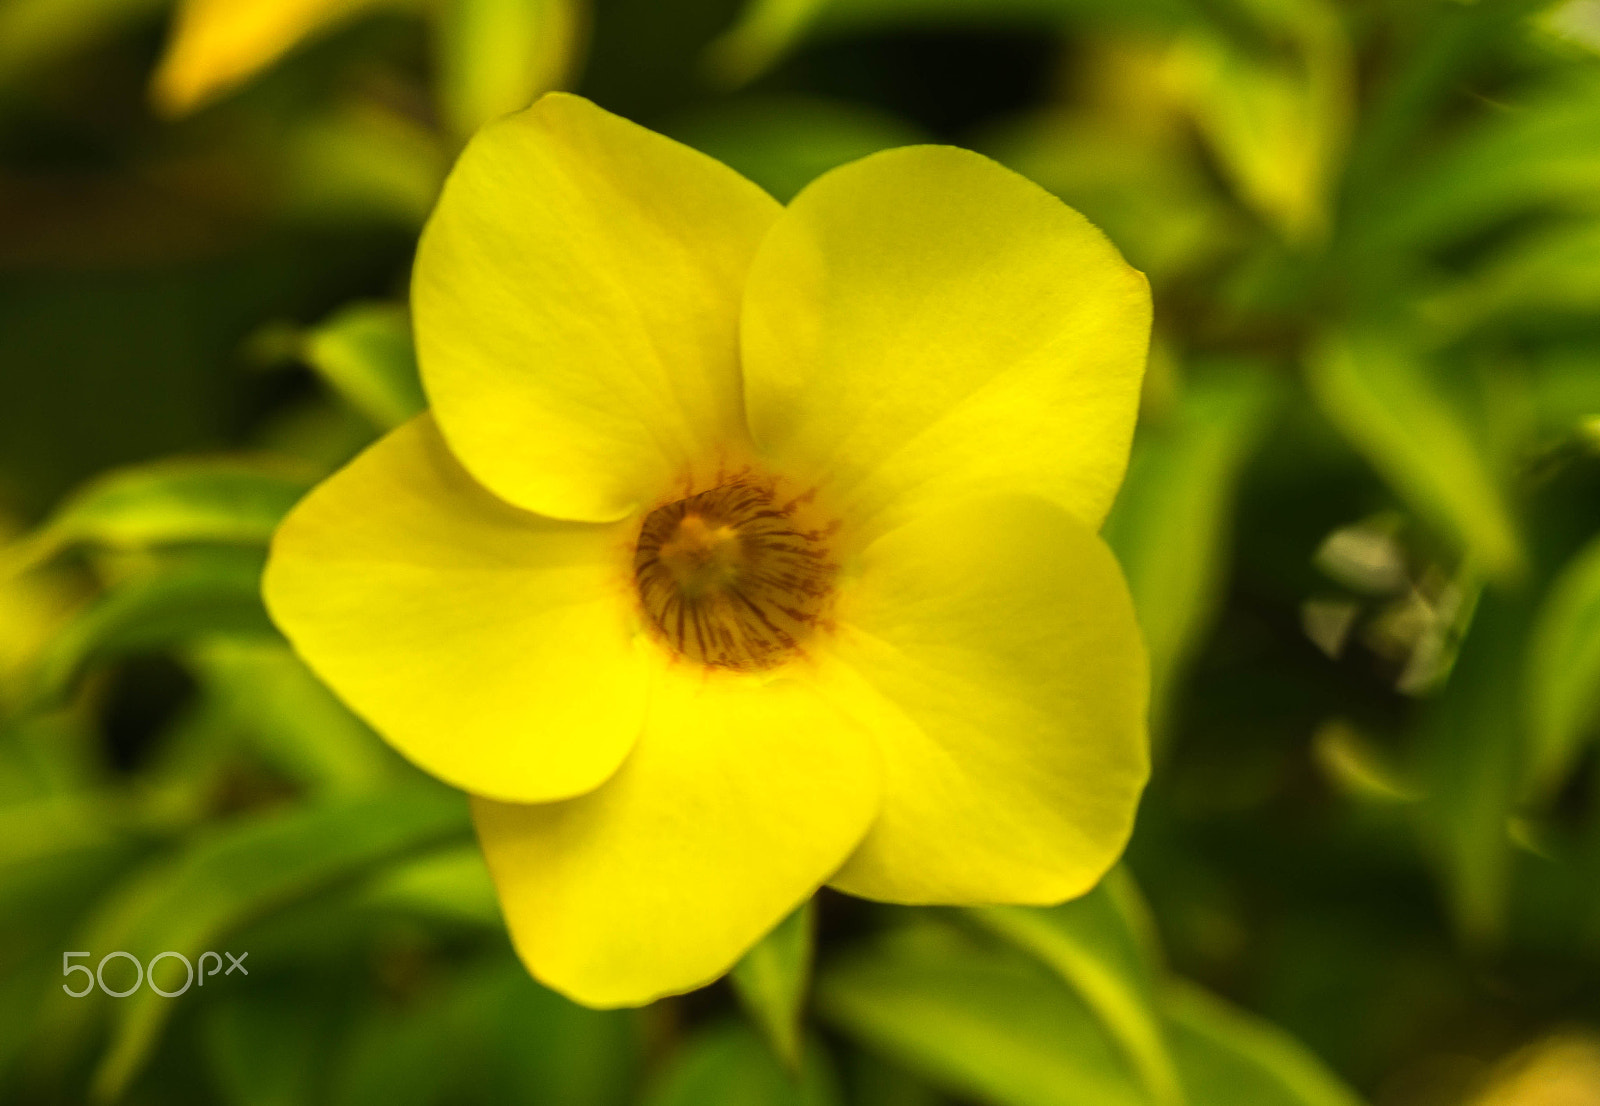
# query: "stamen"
(733, 578)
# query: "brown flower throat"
(733, 577)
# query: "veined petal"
(576, 302)
(992, 649)
(497, 649)
(740, 799)
(924, 324)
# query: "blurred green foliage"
(1361, 525)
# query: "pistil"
(734, 577)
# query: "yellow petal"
(739, 800)
(924, 324)
(494, 648)
(576, 300)
(992, 648)
(217, 44)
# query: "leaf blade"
(1093, 947)
(1231, 1058)
(364, 352)
(771, 981)
(979, 1022)
(1374, 389)
(245, 870)
(1563, 672)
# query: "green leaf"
(1474, 744)
(498, 56)
(167, 503)
(1170, 526)
(265, 1046)
(363, 163)
(784, 143)
(1358, 767)
(54, 754)
(1380, 395)
(768, 29)
(522, 1042)
(365, 354)
(294, 722)
(1563, 673)
(244, 870)
(33, 605)
(398, 1057)
(42, 899)
(35, 33)
(450, 885)
(57, 824)
(1093, 943)
(186, 599)
(1277, 125)
(772, 978)
(1543, 152)
(1566, 391)
(1450, 45)
(764, 32)
(1144, 189)
(549, 1049)
(876, 1082)
(488, 1033)
(731, 1066)
(982, 1022)
(19, 995)
(1230, 1058)
(1556, 272)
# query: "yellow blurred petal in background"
(493, 57)
(217, 44)
(1563, 1070)
(33, 604)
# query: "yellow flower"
(745, 548)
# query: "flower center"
(733, 577)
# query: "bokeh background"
(1360, 526)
